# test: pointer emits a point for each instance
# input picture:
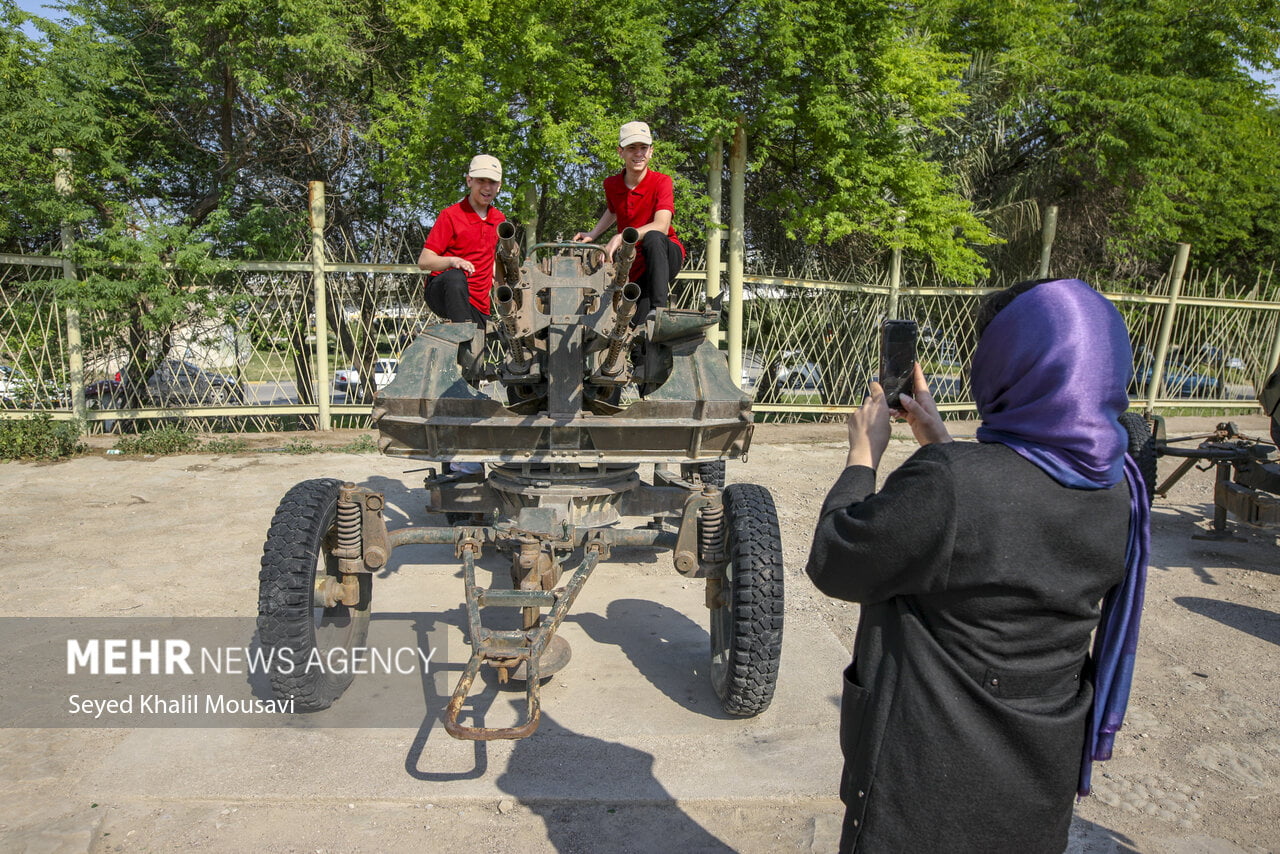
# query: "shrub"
(159, 442)
(39, 438)
(226, 445)
(362, 444)
(301, 446)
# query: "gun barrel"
(509, 253)
(625, 255)
(506, 299)
(624, 310)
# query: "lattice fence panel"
(33, 349)
(244, 340)
(249, 336)
(808, 345)
(946, 343)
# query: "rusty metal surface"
(508, 650)
(1246, 475)
(1249, 506)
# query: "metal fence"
(244, 355)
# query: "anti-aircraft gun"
(584, 394)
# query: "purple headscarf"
(1049, 378)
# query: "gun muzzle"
(505, 296)
(625, 255)
(509, 253)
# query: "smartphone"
(897, 359)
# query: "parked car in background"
(19, 390)
(752, 370)
(13, 384)
(797, 375)
(384, 371)
(173, 383)
(934, 346)
(1215, 357)
(786, 371)
(1180, 380)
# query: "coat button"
(855, 822)
(995, 680)
(861, 794)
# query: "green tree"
(838, 100)
(540, 84)
(843, 100)
(1140, 118)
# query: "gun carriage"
(596, 419)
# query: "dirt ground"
(631, 758)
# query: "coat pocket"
(854, 700)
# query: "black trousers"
(662, 261)
(449, 297)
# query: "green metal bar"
(516, 598)
(1047, 234)
(737, 245)
(1203, 302)
(75, 345)
(1156, 383)
(715, 228)
(30, 260)
(319, 286)
(194, 412)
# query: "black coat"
(964, 709)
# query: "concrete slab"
(633, 717)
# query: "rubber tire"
(746, 632)
(287, 620)
(1142, 447)
(712, 472)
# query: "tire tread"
(757, 600)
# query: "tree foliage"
(1140, 119)
(943, 127)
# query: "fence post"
(531, 221)
(1047, 233)
(737, 246)
(75, 345)
(1166, 325)
(715, 232)
(319, 293)
(1273, 357)
(895, 282)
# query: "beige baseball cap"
(634, 132)
(485, 166)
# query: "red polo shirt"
(460, 231)
(635, 207)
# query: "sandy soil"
(1197, 766)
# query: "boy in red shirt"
(640, 198)
(460, 248)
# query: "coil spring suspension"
(349, 529)
(711, 532)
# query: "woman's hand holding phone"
(922, 413)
